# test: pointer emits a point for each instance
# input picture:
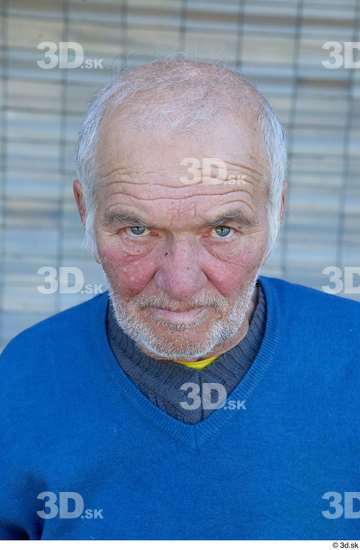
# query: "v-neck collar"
(192, 435)
(163, 381)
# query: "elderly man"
(195, 399)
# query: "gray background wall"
(277, 44)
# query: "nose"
(180, 276)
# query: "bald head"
(183, 93)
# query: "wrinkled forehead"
(166, 138)
(176, 176)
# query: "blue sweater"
(85, 455)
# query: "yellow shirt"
(199, 364)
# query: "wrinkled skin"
(170, 246)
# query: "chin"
(181, 342)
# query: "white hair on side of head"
(276, 151)
(159, 75)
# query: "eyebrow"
(122, 217)
(235, 215)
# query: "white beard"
(181, 346)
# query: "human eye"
(223, 231)
(137, 231)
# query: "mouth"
(187, 316)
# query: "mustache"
(163, 302)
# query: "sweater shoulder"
(320, 319)
(54, 331)
(304, 297)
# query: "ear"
(80, 200)
(283, 201)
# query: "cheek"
(233, 275)
(127, 274)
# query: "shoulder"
(58, 329)
(44, 366)
(317, 318)
(305, 298)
